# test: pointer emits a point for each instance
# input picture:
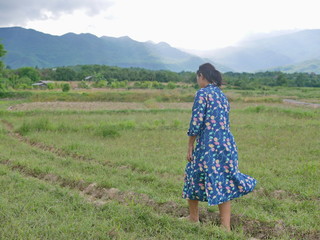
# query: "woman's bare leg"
(225, 215)
(194, 210)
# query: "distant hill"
(306, 66)
(27, 47)
(270, 52)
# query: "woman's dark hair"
(210, 73)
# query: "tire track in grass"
(99, 196)
(96, 194)
(62, 153)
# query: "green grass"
(33, 209)
(144, 151)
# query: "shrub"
(100, 84)
(51, 85)
(157, 85)
(171, 85)
(24, 86)
(66, 87)
(83, 84)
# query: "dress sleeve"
(198, 113)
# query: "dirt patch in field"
(301, 103)
(282, 194)
(242, 105)
(100, 106)
(87, 106)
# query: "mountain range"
(27, 47)
(270, 53)
(288, 52)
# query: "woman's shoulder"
(216, 93)
(211, 90)
(201, 92)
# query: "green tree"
(281, 79)
(65, 74)
(28, 72)
(2, 53)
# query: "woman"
(212, 174)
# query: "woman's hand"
(190, 148)
(189, 153)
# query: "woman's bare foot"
(226, 228)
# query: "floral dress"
(213, 176)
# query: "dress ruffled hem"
(243, 184)
(212, 202)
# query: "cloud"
(20, 12)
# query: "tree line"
(275, 78)
(102, 75)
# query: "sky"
(186, 24)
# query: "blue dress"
(213, 175)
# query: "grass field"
(114, 170)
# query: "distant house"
(88, 78)
(42, 84)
